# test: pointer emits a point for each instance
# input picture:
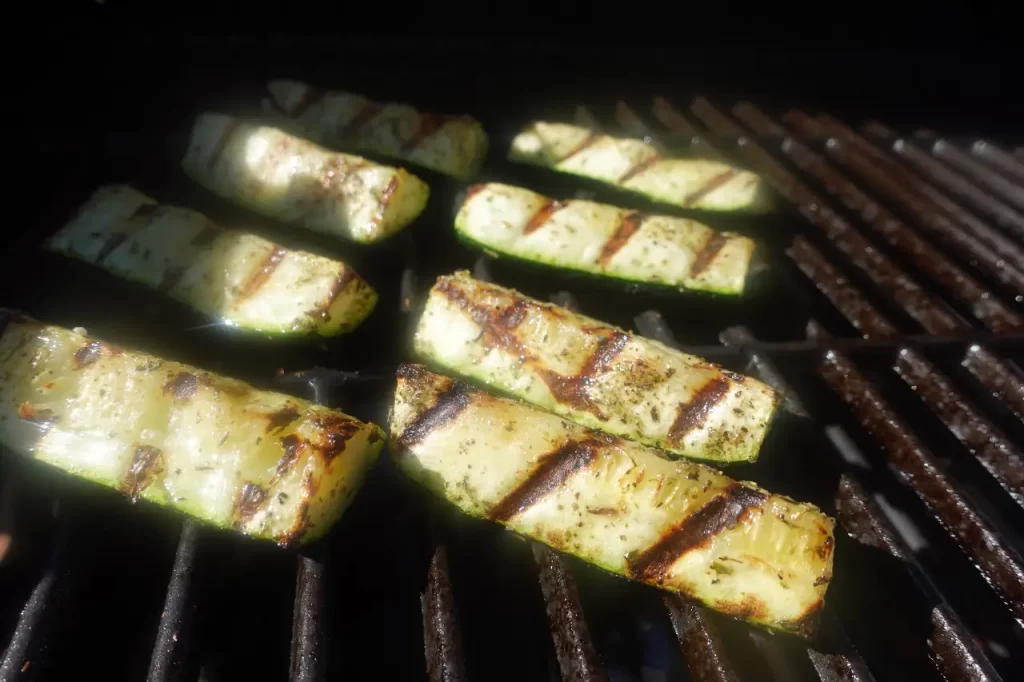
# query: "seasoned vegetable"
(604, 240)
(268, 465)
(241, 278)
(593, 373)
(454, 145)
(293, 180)
(638, 167)
(678, 525)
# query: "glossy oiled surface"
(266, 464)
(678, 525)
(592, 372)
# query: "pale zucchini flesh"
(604, 240)
(677, 525)
(453, 145)
(593, 373)
(636, 166)
(295, 181)
(240, 278)
(265, 464)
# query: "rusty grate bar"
(442, 641)
(1004, 381)
(699, 642)
(930, 260)
(953, 649)
(977, 171)
(175, 620)
(999, 159)
(998, 564)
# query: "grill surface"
(887, 306)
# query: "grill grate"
(904, 404)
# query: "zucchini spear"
(453, 145)
(241, 278)
(295, 181)
(604, 240)
(638, 167)
(680, 526)
(593, 373)
(265, 464)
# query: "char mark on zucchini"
(250, 499)
(709, 187)
(707, 253)
(542, 216)
(261, 275)
(588, 141)
(147, 464)
(572, 389)
(693, 414)
(639, 168)
(450, 403)
(427, 125)
(310, 98)
(627, 228)
(365, 114)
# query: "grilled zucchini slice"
(295, 181)
(453, 145)
(593, 373)
(680, 526)
(604, 240)
(265, 464)
(636, 166)
(241, 278)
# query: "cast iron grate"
(888, 309)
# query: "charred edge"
(498, 324)
(31, 414)
(250, 499)
(310, 97)
(182, 386)
(205, 236)
(339, 285)
(385, 199)
(693, 414)
(113, 241)
(335, 432)
(292, 444)
(542, 216)
(707, 253)
(170, 279)
(262, 274)
(147, 464)
(629, 226)
(748, 608)
(806, 624)
(722, 513)
(639, 168)
(450, 404)
(590, 140)
(362, 117)
(554, 470)
(282, 418)
(229, 132)
(428, 125)
(472, 191)
(87, 354)
(572, 390)
(709, 187)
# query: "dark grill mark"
(170, 279)
(310, 97)
(336, 431)
(385, 199)
(472, 191)
(230, 130)
(707, 253)
(250, 499)
(205, 236)
(542, 216)
(113, 241)
(362, 117)
(627, 228)
(292, 445)
(551, 473)
(693, 414)
(639, 168)
(87, 354)
(572, 390)
(262, 274)
(29, 413)
(182, 386)
(709, 187)
(450, 404)
(281, 418)
(427, 126)
(722, 513)
(147, 464)
(588, 141)
(341, 283)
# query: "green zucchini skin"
(453, 145)
(677, 525)
(264, 464)
(298, 182)
(604, 240)
(592, 373)
(240, 278)
(635, 166)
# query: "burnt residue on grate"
(979, 172)
(442, 641)
(1005, 382)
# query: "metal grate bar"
(926, 257)
(954, 651)
(583, 117)
(307, 662)
(171, 636)
(442, 642)
(918, 303)
(629, 121)
(673, 119)
(699, 642)
(740, 337)
(576, 656)
(1005, 382)
(996, 157)
(928, 204)
(978, 171)
(998, 564)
